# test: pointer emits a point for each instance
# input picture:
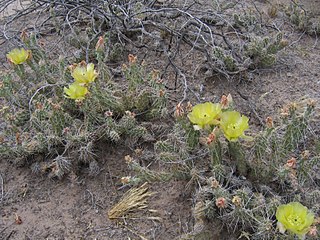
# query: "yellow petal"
(84, 73)
(18, 56)
(204, 114)
(233, 125)
(295, 217)
(75, 91)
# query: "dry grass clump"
(133, 200)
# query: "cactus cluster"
(242, 183)
(44, 118)
(302, 19)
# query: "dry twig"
(172, 29)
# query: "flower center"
(232, 126)
(295, 220)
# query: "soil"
(76, 207)
(35, 207)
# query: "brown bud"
(305, 154)
(284, 112)
(189, 107)
(132, 59)
(161, 92)
(24, 36)
(83, 63)
(125, 180)
(155, 74)
(39, 106)
(179, 112)
(313, 232)
(72, 67)
(124, 67)
(269, 122)
(317, 220)
(41, 42)
(214, 183)
(236, 200)
(311, 103)
(18, 138)
(272, 11)
(159, 81)
(221, 202)
(55, 106)
(211, 138)
(128, 159)
(138, 151)
(65, 130)
(291, 163)
(100, 44)
(293, 106)
(283, 43)
(17, 219)
(130, 114)
(29, 55)
(108, 114)
(79, 102)
(226, 101)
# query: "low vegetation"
(57, 110)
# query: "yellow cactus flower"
(18, 56)
(295, 218)
(204, 114)
(83, 73)
(233, 125)
(75, 91)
